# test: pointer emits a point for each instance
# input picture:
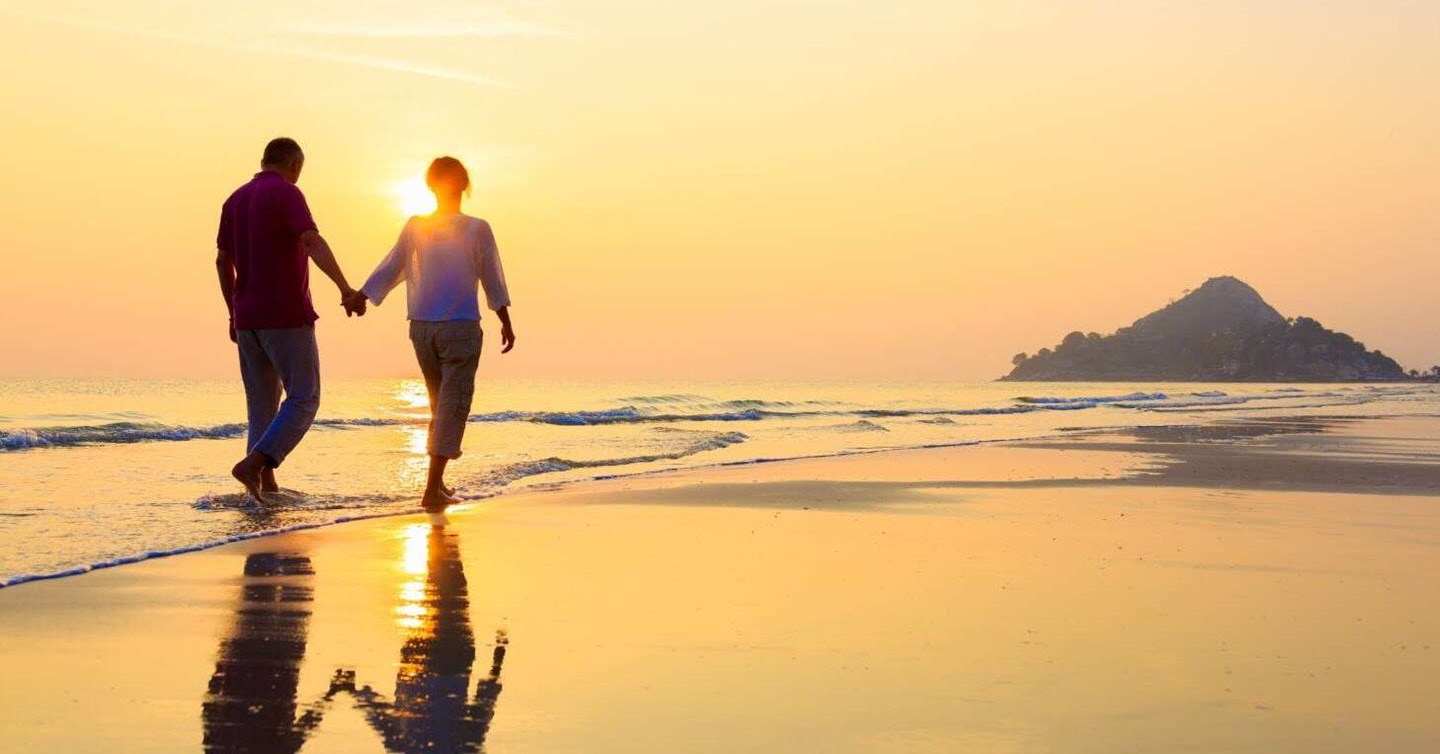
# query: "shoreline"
(1226, 459)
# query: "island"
(1223, 331)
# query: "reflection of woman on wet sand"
(431, 711)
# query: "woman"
(443, 258)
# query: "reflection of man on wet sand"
(250, 703)
(431, 711)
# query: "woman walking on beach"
(444, 258)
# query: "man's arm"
(225, 266)
(319, 250)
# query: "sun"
(413, 196)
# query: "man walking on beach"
(266, 241)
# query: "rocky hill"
(1221, 331)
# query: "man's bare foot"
(247, 472)
(267, 480)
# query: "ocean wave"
(114, 432)
(117, 433)
(623, 415)
(743, 403)
(900, 413)
(651, 410)
(133, 432)
(711, 404)
(1217, 398)
(1132, 397)
(108, 416)
(519, 470)
(671, 398)
(1271, 407)
(861, 425)
(1183, 402)
(295, 500)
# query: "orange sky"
(741, 190)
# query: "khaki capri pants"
(449, 354)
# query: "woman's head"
(447, 177)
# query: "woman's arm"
(507, 332)
(390, 271)
(492, 279)
(492, 274)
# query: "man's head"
(447, 177)
(283, 156)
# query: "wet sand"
(1268, 588)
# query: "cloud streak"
(500, 28)
(362, 60)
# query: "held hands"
(354, 303)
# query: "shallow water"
(95, 473)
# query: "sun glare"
(412, 394)
(414, 197)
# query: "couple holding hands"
(266, 241)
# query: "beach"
(1178, 588)
(756, 377)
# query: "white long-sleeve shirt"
(444, 260)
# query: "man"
(266, 240)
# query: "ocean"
(99, 473)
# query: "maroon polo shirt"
(260, 226)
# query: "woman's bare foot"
(437, 494)
(248, 473)
(267, 480)
(434, 501)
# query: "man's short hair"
(281, 151)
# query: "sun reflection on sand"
(415, 561)
(412, 591)
(417, 549)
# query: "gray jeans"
(269, 361)
(449, 354)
